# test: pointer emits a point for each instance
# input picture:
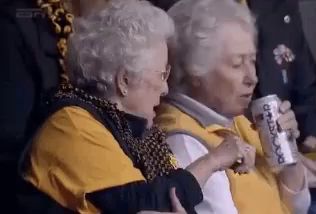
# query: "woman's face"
(145, 94)
(229, 87)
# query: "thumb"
(176, 204)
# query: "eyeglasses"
(165, 74)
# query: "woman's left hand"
(287, 120)
(292, 176)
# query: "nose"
(165, 89)
(251, 78)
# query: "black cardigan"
(132, 197)
(29, 69)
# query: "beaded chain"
(62, 21)
(151, 153)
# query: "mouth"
(248, 95)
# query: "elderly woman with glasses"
(96, 151)
(211, 85)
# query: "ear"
(122, 82)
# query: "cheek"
(153, 91)
(148, 98)
(227, 92)
(225, 88)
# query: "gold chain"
(151, 154)
(62, 21)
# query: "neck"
(120, 105)
(208, 102)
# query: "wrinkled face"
(144, 94)
(229, 87)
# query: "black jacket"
(29, 70)
(308, 15)
(129, 198)
(279, 22)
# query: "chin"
(150, 123)
(238, 112)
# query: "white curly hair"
(121, 36)
(197, 46)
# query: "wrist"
(293, 177)
(214, 162)
(292, 169)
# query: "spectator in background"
(285, 65)
(211, 85)
(308, 15)
(30, 69)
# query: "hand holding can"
(277, 128)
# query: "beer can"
(279, 146)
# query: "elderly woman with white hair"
(211, 86)
(94, 153)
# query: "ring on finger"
(247, 149)
(240, 158)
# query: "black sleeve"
(304, 89)
(16, 88)
(137, 196)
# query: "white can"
(280, 147)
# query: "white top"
(216, 192)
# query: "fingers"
(243, 169)
(308, 163)
(176, 204)
(241, 151)
(227, 135)
(310, 142)
(250, 157)
(227, 153)
(233, 142)
(249, 154)
(287, 120)
(284, 107)
(295, 133)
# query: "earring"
(124, 92)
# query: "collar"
(138, 125)
(204, 115)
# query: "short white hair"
(122, 36)
(197, 47)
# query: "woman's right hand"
(233, 153)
